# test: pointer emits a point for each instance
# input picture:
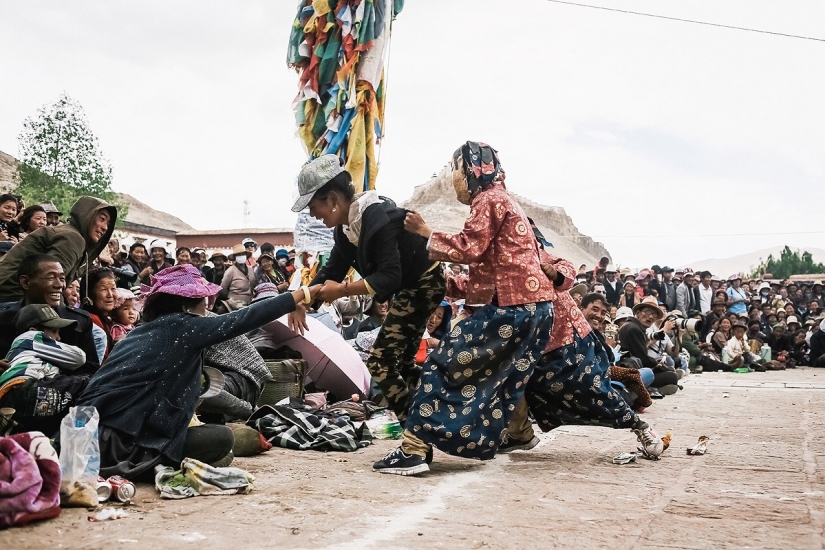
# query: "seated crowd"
(86, 321)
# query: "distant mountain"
(436, 202)
(744, 263)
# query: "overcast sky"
(636, 126)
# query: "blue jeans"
(647, 376)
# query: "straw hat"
(239, 249)
(649, 302)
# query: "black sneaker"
(399, 463)
(429, 458)
(513, 444)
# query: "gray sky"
(636, 126)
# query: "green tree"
(790, 262)
(60, 158)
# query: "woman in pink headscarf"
(147, 390)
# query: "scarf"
(356, 211)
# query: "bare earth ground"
(760, 486)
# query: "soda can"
(104, 490)
(122, 489)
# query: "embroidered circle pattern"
(521, 228)
(456, 332)
(522, 365)
(468, 391)
(496, 413)
(505, 331)
(455, 255)
(465, 357)
(425, 410)
(465, 431)
(500, 211)
(532, 283)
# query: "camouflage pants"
(392, 360)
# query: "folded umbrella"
(332, 364)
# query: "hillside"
(436, 202)
(744, 263)
(139, 213)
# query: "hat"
(157, 243)
(734, 277)
(281, 253)
(644, 273)
(265, 255)
(739, 324)
(667, 269)
(580, 289)
(50, 208)
(121, 295)
(313, 176)
(623, 312)
(791, 319)
(715, 278)
(610, 268)
(213, 382)
(629, 283)
(655, 268)
(218, 255)
(649, 302)
(267, 247)
(264, 290)
(238, 249)
(39, 315)
(180, 280)
(764, 286)
(247, 241)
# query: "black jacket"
(634, 342)
(388, 257)
(79, 336)
(612, 295)
(817, 346)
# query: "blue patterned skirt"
(472, 382)
(571, 386)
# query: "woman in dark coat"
(394, 265)
(147, 391)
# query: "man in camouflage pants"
(392, 361)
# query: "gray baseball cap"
(314, 175)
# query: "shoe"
(669, 389)
(651, 444)
(429, 456)
(225, 461)
(399, 463)
(513, 444)
(655, 393)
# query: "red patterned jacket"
(501, 250)
(569, 319)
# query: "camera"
(691, 326)
(658, 335)
(124, 274)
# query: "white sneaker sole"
(420, 469)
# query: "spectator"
(52, 214)
(71, 294)
(183, 255)
(633, 340)
(41, 281)
(97, 293)
(250, 246)
(75, 244)
(685, 297)
(737, 296)
(667, 289)
(198, 258)
(138, 259)
(817, 343)
(157, 251)
(124, 315)
(629, 298)
(8, 211)
(706, 292)
(30, 220)
(238, 280)
(281, 265)
(612, 286)
(39, 385)
(215, 274)
(376, 311)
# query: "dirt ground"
(760, 486)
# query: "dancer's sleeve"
(486, 217)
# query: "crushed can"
(123, 490)
(104, 490)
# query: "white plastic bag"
(79, 457)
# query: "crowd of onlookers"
(85, 286)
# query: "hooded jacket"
(68, 243)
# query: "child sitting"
(37, 385)
(38, 353)
(125, 314)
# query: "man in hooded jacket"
(75, 244)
